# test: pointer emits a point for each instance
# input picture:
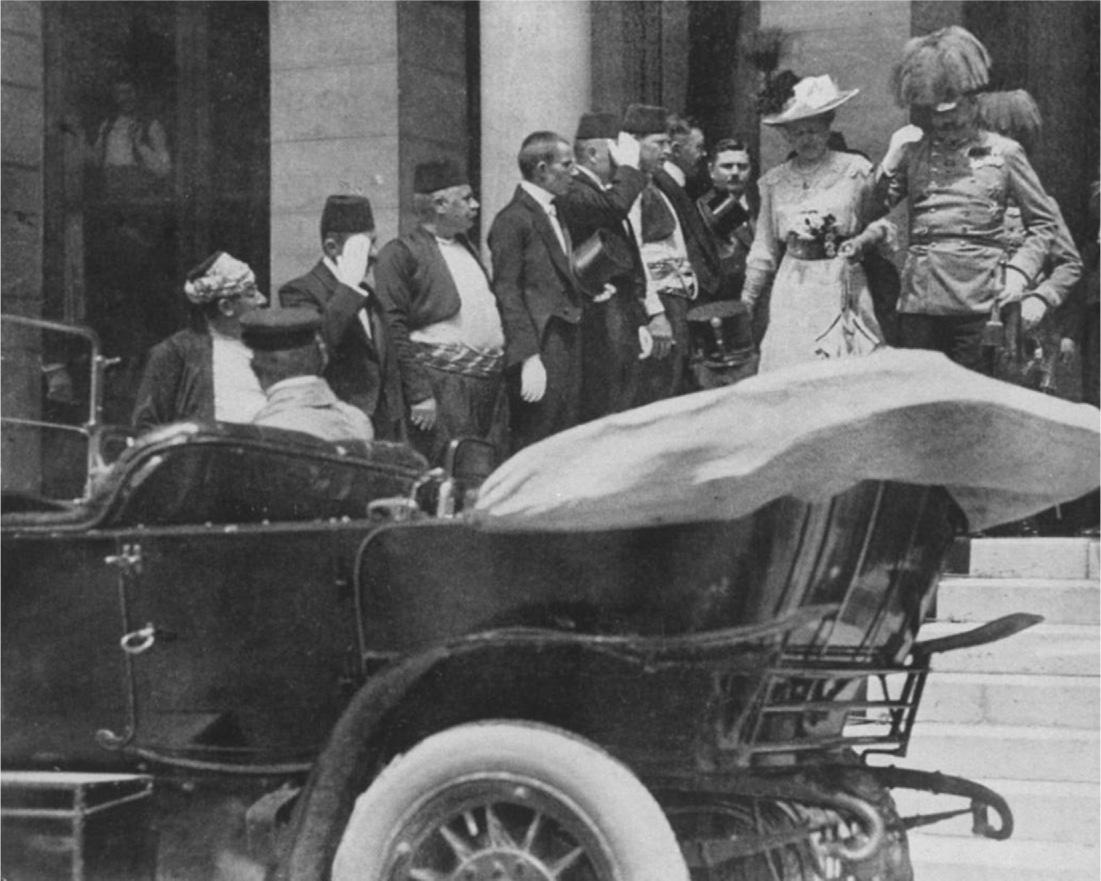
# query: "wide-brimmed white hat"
(812, 96)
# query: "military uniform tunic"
(957, 203)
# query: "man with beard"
(960, 180)
(443, 318)
(362, 367)
(687, 156)
(607, 182)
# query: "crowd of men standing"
(616, 279)
(596, 263)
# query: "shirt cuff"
(653, 303)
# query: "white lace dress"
(807, 293)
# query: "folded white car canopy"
(810, 432)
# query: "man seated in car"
(202, 371)
(288, 358)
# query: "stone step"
(1042, 810)
(936, 858)
(1059, 600)
(1006, 751)
(1012, 699)
(1046, 649)
(1027, 558)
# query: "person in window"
(288, 358)
(130, 146)
(202, 372)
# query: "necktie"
(559, 230)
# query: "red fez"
(429, 177)
(347, 214)
(645, 119)
(597, 125)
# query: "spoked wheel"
(507, 801)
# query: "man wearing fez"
(202, 372)
(672, 282)
(538, 294)
(362, 366)
(607, 182)
(959, 181)
(288, 359)
(443, 318)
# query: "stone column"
(535, 74)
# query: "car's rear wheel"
(508, 801)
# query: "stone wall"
(22, 128)
(334, 120)
(857, 43)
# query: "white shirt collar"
(674, 171)
(291, 381)
(592, 174)
(545, 198)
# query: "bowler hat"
(645, 119)
(441, 174)
(597, 125)
(347, 213)
(274, 329)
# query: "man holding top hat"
(538, 294)
(609, 178)
(445, 328)
(288, 359)
(362, 368)
(959, 180)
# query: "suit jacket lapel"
(330, 283)
(550, 238)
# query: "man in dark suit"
(362, 366)
(443, 318)
(607, 182)
(688, 153)
(538, 295)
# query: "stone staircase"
(1021, 716)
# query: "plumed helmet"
(941, 67)
(1013, 114)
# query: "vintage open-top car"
(674, 642)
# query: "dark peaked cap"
(277, 329)
(597, 125)
(347, 214)
(645, 119)
(428, 177)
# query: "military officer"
(960, 180)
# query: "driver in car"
(288, 358)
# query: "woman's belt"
(459, 358)
(812, 249)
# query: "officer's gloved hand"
(625, 150)
(533, 380)
(423, 414)
(1033, 310)
(896, 148)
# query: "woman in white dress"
(811, 230)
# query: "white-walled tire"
(511, 801)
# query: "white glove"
(533, 380)
(908, 134)
(351, 263)
(1032, 311)
(625, 150)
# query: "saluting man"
(959, 180)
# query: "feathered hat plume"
(940, 67)
(1013, 114)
